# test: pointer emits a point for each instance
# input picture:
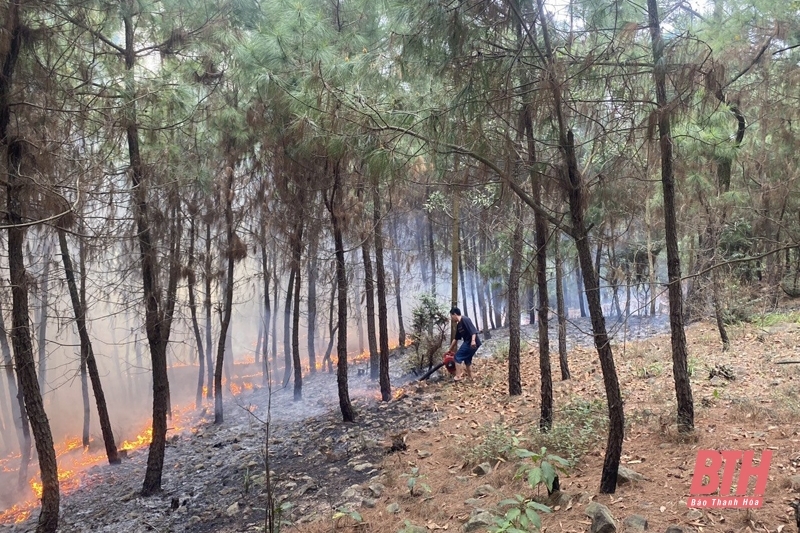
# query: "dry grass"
(760, 409)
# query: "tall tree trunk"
(579, 284)
(401, 329)
(383, 312)
(79, 310)
(228, 302)
(10, 46)
(335, 208)
(21, 424)
(158, 315)
(432, 255)
(275, 290)
(44, 300)
(576, 197)
(369, 294)
(312, 301)
(207, 303)
(287, 332)
(267, 310)
(680, 368)
(332, 327)
(482, 302)
(540, 228)
(562, 312)
(514, 314)
(296, 256)
(190, 281)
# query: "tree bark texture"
(86, 347)
(369, 295)
(562, 312)
(227, 304)
(190, 282)
(383, 311)
(680, 368)
(514, 314)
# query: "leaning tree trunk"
(312, 302)
(576, 195)
(680, 368)
(228, 302)
(383, 318)
(287, 332)
(86, 347)
(11, 41)
(514, 314)
(336, 210)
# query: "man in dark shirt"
(468, 333)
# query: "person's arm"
(473, 331)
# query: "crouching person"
(468, 334)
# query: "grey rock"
(369, 503)
(232, 509)
(636, 522)
(393, 508)
(483, 469)
(484, 490)
(694, 514)
(422, 454)
(674, 529)
(473, 502)
(602, 519)
(349, 493)
(480, 519)
(362, 467)
(414, 529)
(376, 489)
(559, 498)
(794, 483)
(626, 475)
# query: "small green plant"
(415, 488)
(499, 442)
(693, 363)
(501, 352)
(428, 331)
(342, 512)
(576, 428)
(538, 469)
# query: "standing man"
(468, 333)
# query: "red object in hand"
(450, 362)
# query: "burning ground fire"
(73, 459)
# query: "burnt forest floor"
(330, 476)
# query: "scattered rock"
(635, 522)
(483, 490)
(376, 489)
(232, 509)
(694, 514)
(794, 483)
(393, 508)
(626, 475)
(674, 529)
(362, 467)
(369, 503)
(483, 469)
(602, 519)
(559, 498)
(480, 519)
(473, 502)
(422, 454)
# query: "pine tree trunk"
(21, 425)
(369, 293)
(541, 229)
(287, 332)
(297, 252)
(190, 282)
(275, 291)
(579, 283)
(227, 310)
(79, 310)
(562, 312)
(383, 312)
(482, 303)
(335, 208)
(514, 314)
(432, 255)
(312, 302)
(267, 311)
(575, 188)
(209, 345)
(401, 329)
(680, 368)
(44, 294)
